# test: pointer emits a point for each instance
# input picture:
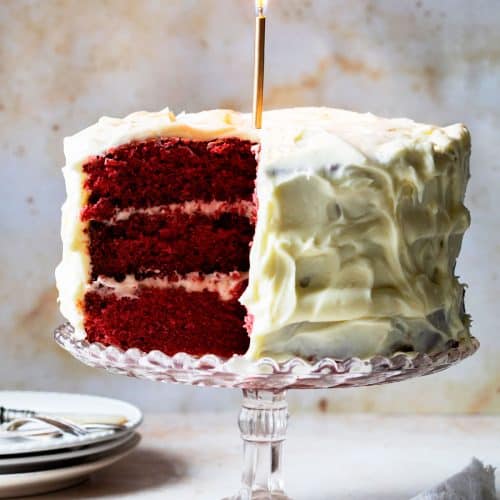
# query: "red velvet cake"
(175, 217)
(327, 233)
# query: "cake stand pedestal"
(263, 415)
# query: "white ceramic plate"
(35, 483)
(38, 461)
(53, 402)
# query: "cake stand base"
(263, 422)
(263, 416)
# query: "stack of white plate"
(31, 466)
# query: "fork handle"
(7, 414)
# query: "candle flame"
(260, 7)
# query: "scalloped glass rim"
(265, 373)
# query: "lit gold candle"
(258, 77)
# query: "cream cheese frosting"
(225, 285)
(359, 224)
(243, 207)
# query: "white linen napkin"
(475, 482)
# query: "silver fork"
(40, 433)
(9, 414)
(62, 425)
(13, 420)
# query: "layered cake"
(327, 233)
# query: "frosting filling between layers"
(242, 207)
(228, 286)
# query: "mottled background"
(65, 63)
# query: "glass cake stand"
(263, 416)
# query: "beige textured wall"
(63, 63)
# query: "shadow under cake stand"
(263, 416)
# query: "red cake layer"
(159, 245)
(169, 170)
(170, 320)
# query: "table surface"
(355, 457)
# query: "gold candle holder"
(258, 77)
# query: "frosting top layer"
(359, 224)
(364, 131)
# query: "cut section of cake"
(166, 224)
(326, 233)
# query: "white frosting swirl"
(359, 225)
